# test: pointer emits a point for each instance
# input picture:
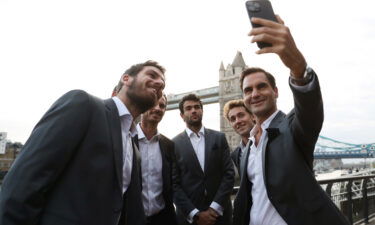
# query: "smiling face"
(259, 96)
(155, 114)
(145, 88)
(241, 121)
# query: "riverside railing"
(354, 196)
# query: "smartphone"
(262, 9)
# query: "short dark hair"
(189, 97)
(251, 70)
(136, 68)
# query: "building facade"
(7, 158)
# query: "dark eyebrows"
(246, 89)
(262, 85)
(196, 106)
(152, 72)
(258, 86)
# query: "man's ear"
(126, 79)
(276, 92)
(182, 116)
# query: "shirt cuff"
(215, 206)
(190, 218)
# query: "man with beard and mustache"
(242, 121)
(158, 160)
(204, 175)
(80, 166)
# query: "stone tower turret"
(229, 89)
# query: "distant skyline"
(51, 47)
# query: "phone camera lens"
(254, 6)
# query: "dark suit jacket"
(70, 169)
(288, 166)
(195, 188)
(168, 164)
(235, 155)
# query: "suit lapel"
(208, 141)
(163, 150)
(272, 132)
(245, 158)
(115, 133)
(190, 153)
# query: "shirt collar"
(125, 115)
(264, 125)
(190, 132)
(142, 135)
(242, 145)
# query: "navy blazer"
(288, 166)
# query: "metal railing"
(354, 196)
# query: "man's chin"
(156, 119)
(195, 122)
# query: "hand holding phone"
(262, 9)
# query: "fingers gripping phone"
(262, 9)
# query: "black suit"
(195, 188)
(70, 169)
(236, 158)
(288, 166)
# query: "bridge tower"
(229, 89)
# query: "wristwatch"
(305, 79)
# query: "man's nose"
(157, 108)
(237, 121)
(159, 83)
(254, 93)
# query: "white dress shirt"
(152, 178)
(198, 143)
(127, 131)
(262, 211)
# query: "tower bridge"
(229, 88)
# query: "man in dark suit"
(242, 121)
(80, 166)
(158, 160)
(204, 175)
(278, 186)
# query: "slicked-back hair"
(136, 68)
(251, 70)
(189, 97)
(233, 104)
